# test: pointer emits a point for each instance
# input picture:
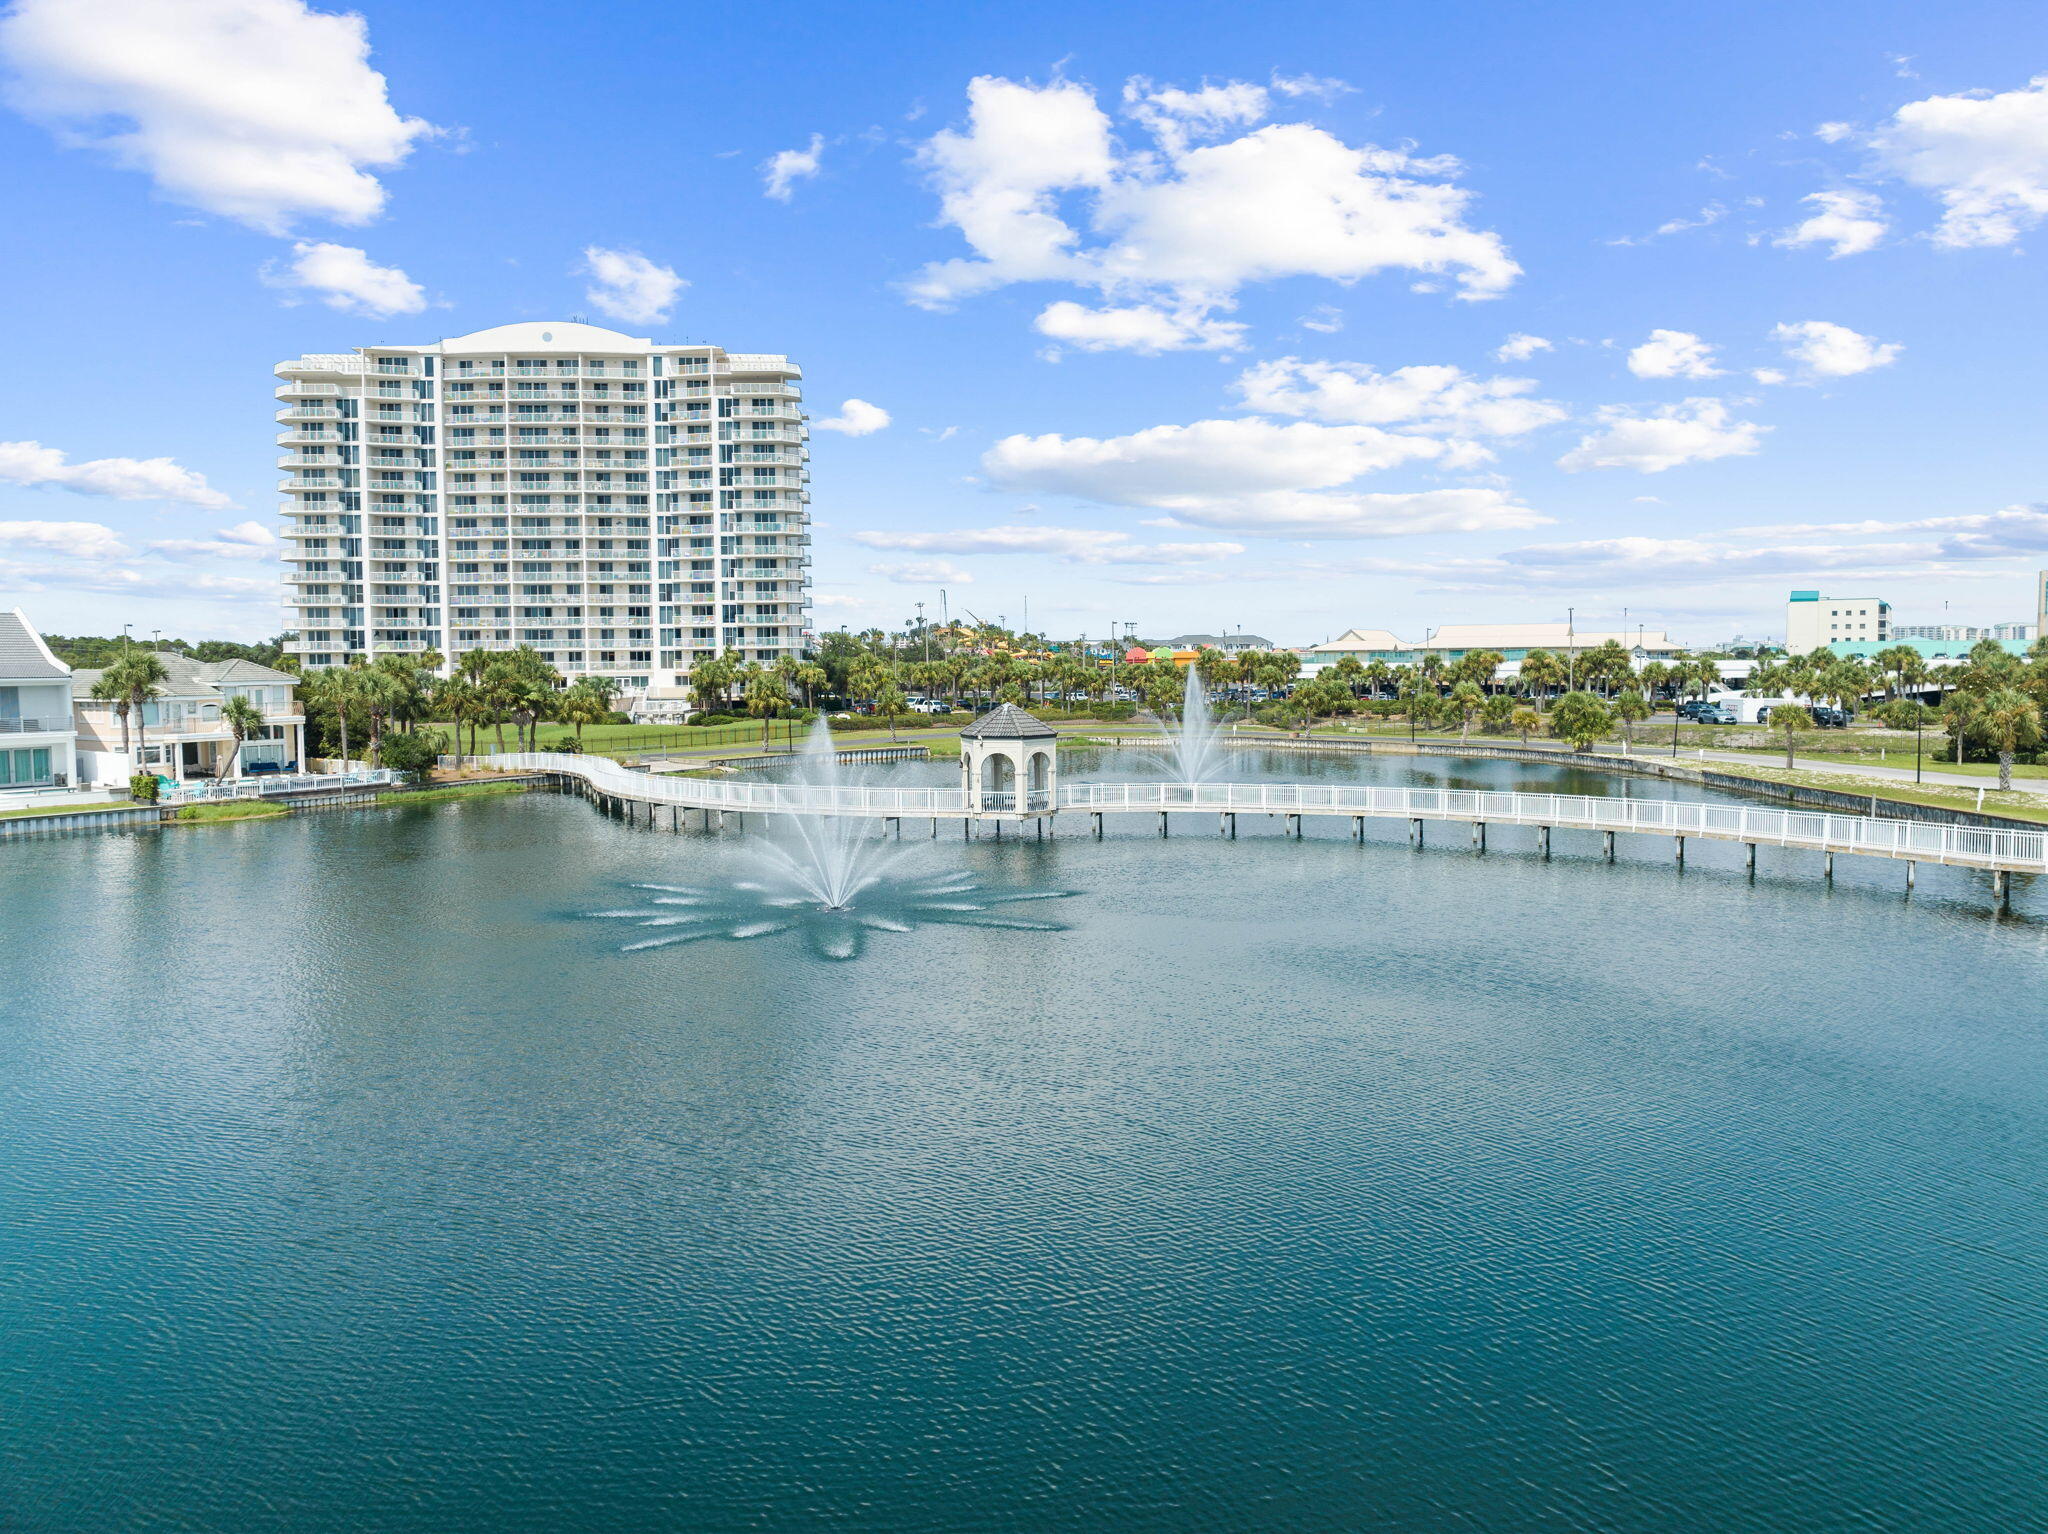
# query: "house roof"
(1541, 636)
(191, 678)
(1006, 721)
(23, 655)
(1360, 639)
(1220, 642)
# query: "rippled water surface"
(357, 1178)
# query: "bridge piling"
(1479, 835)
(1415, 833)
(1827, 866)
(1607, 845)
(1543, 841)
(2001, 888)
(1678, 854)
(1098, 825)
(1910, 867)
(1752, 858)
(1358, 828)
(1162, 823)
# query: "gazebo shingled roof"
(1006, 721)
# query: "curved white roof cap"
(546, 336)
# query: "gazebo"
(1008, 764)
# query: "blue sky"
(1195, 316)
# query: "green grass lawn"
(230, 809)
(67, 809)
(1892, 757)
(482, 789)
(1943, 796)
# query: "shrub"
(411, 753)
(618, 716)
(717, 718)
(143, 788)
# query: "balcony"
(304, 391)
(311, 482)
(321, 365)
(9, 726)
(759, 362)
(310, 413)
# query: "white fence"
(272, 785)
(2025, 851)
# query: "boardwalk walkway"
(2000, 851)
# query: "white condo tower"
(626, 508)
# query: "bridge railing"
(738, 795)
(2025, 850)
(1798, 828)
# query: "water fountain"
(825, 876)
(1195, 741)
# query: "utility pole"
(924, 631)
(1571, 649)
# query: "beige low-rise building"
(179, 733)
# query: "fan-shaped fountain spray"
(827, 858)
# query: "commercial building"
(1812, 620)
(1513, 641)
(1229, 644)
(38, 743)
(179, 734)
(624, 507)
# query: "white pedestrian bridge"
(2003, 852)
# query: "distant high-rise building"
(624, 507)
(1812, 620)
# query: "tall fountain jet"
(827, 859)
(1195, 740)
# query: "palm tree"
(1541, 671)
(142, 676)
(584, 704)
(766, 697)
(1582, 718)
(107, 689)
(1790, 718)
(2013, 721)
(241, 717)
(1525, 721)
(1467, 700)
(1630, 708)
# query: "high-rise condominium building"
(626, 508)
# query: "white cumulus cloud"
(1849, 222)
(924, 572)
(1255, 476)
(783, 170)
(1184, 225)
(1070, 545)
(120, 479)
(1431, 398)
(856, 418)
(263, 111)
(1140, 328)
(1692, 431)
(82, 540)
(345, 278)
(1673, 354)
(1983, 156)
(1833, 351)
(1520, 347)
(627, 286)
(245, 540)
